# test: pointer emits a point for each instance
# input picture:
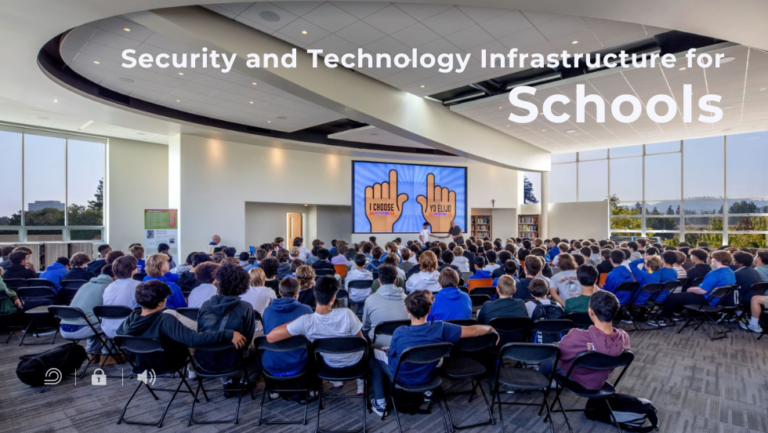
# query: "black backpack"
(66, 358)
(547, 312)
(633, 414)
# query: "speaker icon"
(147, 377)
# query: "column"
(544, 219)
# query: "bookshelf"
(481, 226)
(528, 226)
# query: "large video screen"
(399, 198)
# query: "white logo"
(99, 378)
(147, 377)
(52, 376)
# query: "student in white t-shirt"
(258, 295)
(424, 234)
(325, 323)
(564, 284)
(205, 273)
(538, 289)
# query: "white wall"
(334, 222)
(217, 178)
(137, 179)
(582, 220)
(266, 221)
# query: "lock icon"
(99, 378)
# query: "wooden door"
(295, 228)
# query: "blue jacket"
(496, 280)
(55, 273)
(481, 274)
(643, 277)
(450, 303)
(280, 312)
(667, 275)
(553, 253)
(619, 274)
(176, 299)
(717, 278)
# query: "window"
(592, 155)
(562, 179)
(627, 179)
(62, 187)
(531, 187)
(703, 168)
(563, 157)
(592, 180)
(619, 152)
(662, 177)
(745, 165)
(668, 147)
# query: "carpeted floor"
(698, 386)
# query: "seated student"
(450, 303)
(678, 266)
(341, 257)
(294, 254)
(322, 262)
(491, 257)
(722, 275)
(470, 252)
(700, 266)
(205, 275)
(555, 249)
(595, 255)
(137, 251)
(306, 277)
(243, 258)
(406, 264)
(166, 249)
(187, 280)
(587, 275)
(564, 247)
(447, 258)
(427, 277)
(761, 265)
(384, 305)
(649, 274)
(505, 305)
(152, 323)
(270, 266)
(284, 264)
(94, 267)
(539, 292)
(359, 272)
(77, 268)
(261, 255)
(525, 249)
(667, 272)
(459, 260)
(546, 270)
(283, 310)
(600, 337)
(634, 253)
(325, 322)
(56, 271)
(503, 256)
(586, 252)
(122, 291)
(480, 272)
(375, 262)
(627, 255)
(391, 248)
(19, 267)
(157, 267)
(231, 283)
(533, 265)
(258, 295)
(619, 274)
(179, 269)
(605, 266)
(421, 332)
(746, 275)
(565, 284)
(5, 252)
(509, 268)
(88, 296)
(313, 255)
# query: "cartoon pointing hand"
(439, 206)
(383, 206)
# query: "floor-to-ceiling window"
(53, 186)
(711, 189)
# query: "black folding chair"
(703, 313)
(638, 311)
(580, 320)
(71, 313)
(464, 289)
(69, 289)
(342, 299)
(693, 283)
(325, 272)
(273, 383)
(553, 330)
(512, 329)
(629, 287)
(512, 379)
(40, 282)
(388, 328)
(151, 358)
(591, 361)
(682, 283)
(462, 365)
(139, 277)
(341, 345)
(463, 322)
(359, 285)
(489, 291)
(111, 312)
(202, 372)
(421, 355)
(478, 301)
(189, 313)
(15, 283)
(40, 319)
(655, 306)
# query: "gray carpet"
(697, 386)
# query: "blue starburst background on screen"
(411, 180)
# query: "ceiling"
(374, 135)
(381, 27)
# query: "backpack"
(66, 358)
(633, 414)
(546, 312)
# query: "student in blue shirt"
(554, 251)
(157, 268)
(281, 311)
(648, 275)
(384, 362)
(722, 275)
(510, 268)
(55, 272)
(667, 273)
(480, 273)
(619, 274)
(450, 303)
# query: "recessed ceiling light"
(574, 42)
(96, 62)
(306, 205)
(253, 84)
(500, 108)
(181, 73)
(727, 60)
(762, 88)
(125, 80)
(304, 32)
(55, 101)
(269, 121)
(683, 68)
(269, 16)
(507, 126)
(422, 86)
(543, 130)
(570, 131)
(126, 29)
(178, 100)
(251, 102)
(281, 117)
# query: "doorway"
(295, 227)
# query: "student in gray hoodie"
(88, 296)
(384, 305)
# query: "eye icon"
(52, 376)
